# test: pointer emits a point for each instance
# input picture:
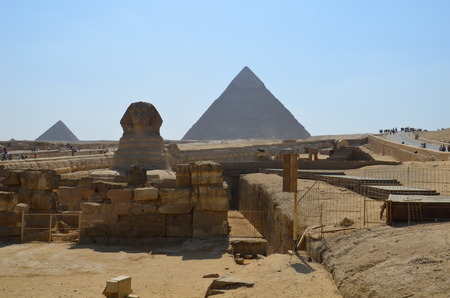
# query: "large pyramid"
(246, 110)
(59, 132)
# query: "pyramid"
(59, 132)
(246, 110)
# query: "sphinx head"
(141, 117)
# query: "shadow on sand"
(188, 249)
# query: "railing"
(49, 227)
(338, 204)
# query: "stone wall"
(403, 152)
(195, 205)
(61, 165)
(248, 153)
(268, 209)
(25, 191)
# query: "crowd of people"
(391, 130)
(6, 156)
(9, 156)
(443, 148)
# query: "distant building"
(59, 132)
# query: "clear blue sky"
(340, 67)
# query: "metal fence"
(357, 200)
(50, 227)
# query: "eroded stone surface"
(141, 143)
(211, 198)
(8, 201)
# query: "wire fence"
(357, 200)
(50, 227)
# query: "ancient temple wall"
(195, 204)
(25, 191)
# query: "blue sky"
(340, 67)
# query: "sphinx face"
(140, 115)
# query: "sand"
(164, 269)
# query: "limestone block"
(104, 186)
(175, 201)
(39, 200)
(183, 176)
(86, 182)
(179, 226)
(211, 198)
(106, 209)
(121, 208)
(160, 175)
(21, 207)
(210, 224)
(145, 194)
(136, 176)
(104, 175)
(24, 196)
(90, 208)
(11, 178)
(161, 178)
(143, 208)
(167, 183)
(141, 225)
(96, 230)
(90, 220)
(9, 231)
(119, 286)
(8, 200)
(10, 219)
(206, 172)
(39, 179)
(120, 195)
(70, 197)
(249, 246)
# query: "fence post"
(321, 220)
(79, 227)
(50, 229)
(295, 228)
(22, 227)
(364, 212)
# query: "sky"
(340, 67)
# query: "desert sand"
(161, 269)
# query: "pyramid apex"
(246, 110)
(246, 78)
(58, 132)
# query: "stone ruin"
(138, 198)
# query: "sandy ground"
(399, 261)
(158, 270)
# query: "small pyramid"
(246, 110)
(59, 132)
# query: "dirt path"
(158, 270)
